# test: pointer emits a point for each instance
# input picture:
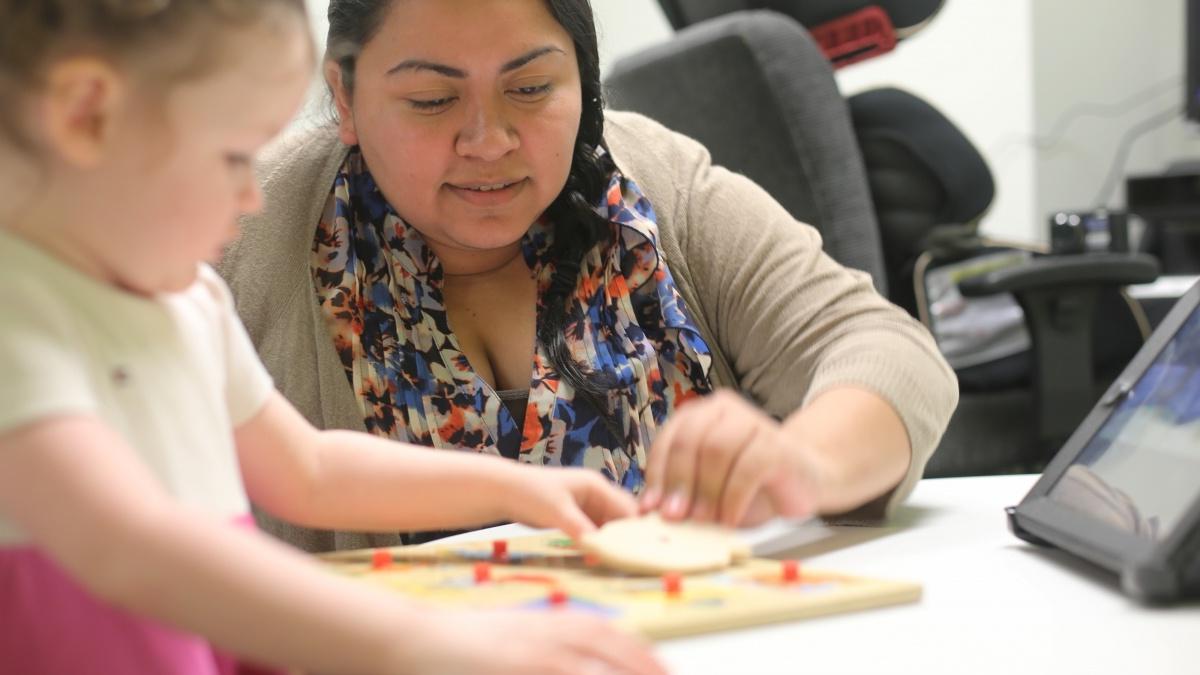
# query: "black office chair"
(895, 190)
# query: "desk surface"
(992, 604)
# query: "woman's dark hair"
(577, 227)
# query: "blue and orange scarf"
(380, 289)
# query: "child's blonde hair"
(169, 39)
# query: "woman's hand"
(557, 642)
(722, 459)
(572, 500)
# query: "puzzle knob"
(791, 571)
(483, 572)
(558, 598)
(499, 549)
(672, 583)
(380, 559)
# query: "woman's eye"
(238, 160)
(430, 103)
(531, 91)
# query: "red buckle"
(855, 37)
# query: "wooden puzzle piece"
(650, 545)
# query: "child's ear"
(79, 106)
(341, 99)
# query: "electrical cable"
(1103, 110)
(1131, 135)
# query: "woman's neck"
(459, 263)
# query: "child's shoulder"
(210, 295)
(36, 292)
(210, 286)
(45, 370)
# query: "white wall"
(317, 10)
(317, 108)
(1103, 67)
(625, 26)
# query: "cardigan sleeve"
(789, 321)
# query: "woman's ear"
(341, 99)
(78, 109)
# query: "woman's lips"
(489, 194)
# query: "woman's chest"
(494, 325)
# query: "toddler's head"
(128, 147)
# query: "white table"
(992, 604)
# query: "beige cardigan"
(784, 321)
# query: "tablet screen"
(1141, 471)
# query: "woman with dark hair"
(477, 256)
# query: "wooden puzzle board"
(547, 573)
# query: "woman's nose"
(487, 134)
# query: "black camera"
(1097, 231)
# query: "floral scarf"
(380, 288)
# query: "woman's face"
(466, 112)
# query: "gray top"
(784, 321)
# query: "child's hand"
(556, 642)
(572, 500)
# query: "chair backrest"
(924, 175)
(758, 93)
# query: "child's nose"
(250, 198)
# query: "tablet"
(1124, 491)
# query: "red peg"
(380, 559)
(483, 572)
(558, 598)
(499, 549)
(672, 583)
(791, 571)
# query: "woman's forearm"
(858, 443)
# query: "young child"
(135, 418)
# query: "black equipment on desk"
(1124, 491)
(1098, 231)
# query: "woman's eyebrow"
(458, 73)
(530, 56)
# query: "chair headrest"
(895, 119)
(848, 31)
(906, 15)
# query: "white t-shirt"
(173, 374)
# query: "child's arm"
(75, 488)
(348, 480)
